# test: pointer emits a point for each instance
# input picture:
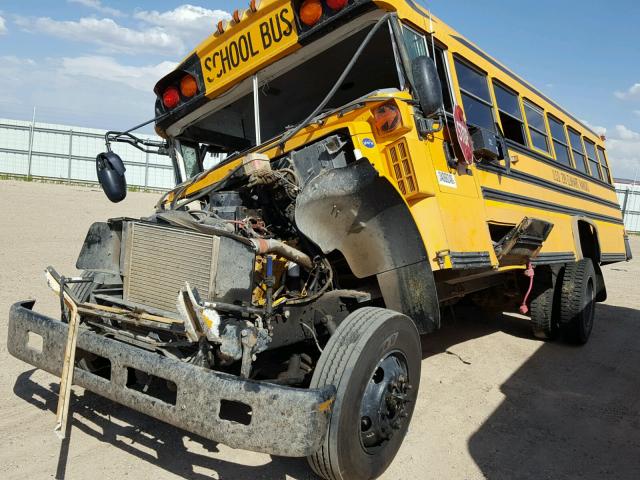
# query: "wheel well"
(590, 246)
(589, 241)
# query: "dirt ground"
(494, 403)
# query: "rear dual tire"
(578, 301)
(565, 304)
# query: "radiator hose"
(271, 245)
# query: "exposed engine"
(220, 278)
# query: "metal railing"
(629, 199)
(59, 152)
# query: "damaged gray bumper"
(284, 421)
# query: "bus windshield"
(287, 98)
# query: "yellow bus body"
(454, 222)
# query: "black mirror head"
(427, 84)
(110, 169)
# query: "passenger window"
(590, 147)
(578, 152)
(510, 114)
(604, 165)
(560, 143)
(537, 128)
(475, 96)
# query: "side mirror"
(110, 169)
(427, 84)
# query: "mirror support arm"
(157, 147)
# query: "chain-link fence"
(629, 199)
(62, 152)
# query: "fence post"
(69, 157)
(30, 153)
(146, 170)
(624, 203)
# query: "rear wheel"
(373, 359)
(578, 300)
(543, 305)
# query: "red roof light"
(171, 97)
(337, 4)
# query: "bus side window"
(510, 114)
(537, 127)
(476, 100)
(604, 165)
(593, 159)
(578, 151)
(560, 142)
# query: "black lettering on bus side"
(234, 54)
(275, 36)
(287, 31)
(219, 55)
(253, 51)
(243, 46)
(264, 33)
(208, 67)
(241, 50)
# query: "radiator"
(158, 260)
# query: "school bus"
(378, 167)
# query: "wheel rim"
(384, 410)
(589, 308)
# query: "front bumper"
(284, 421)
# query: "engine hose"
(319, 293)
(271, 245)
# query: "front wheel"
(373, 360)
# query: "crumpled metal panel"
(284, 421)
(358, 212)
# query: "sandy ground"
(494, 403)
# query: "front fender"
(359, 213)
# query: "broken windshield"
(286, 99)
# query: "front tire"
(373, 359)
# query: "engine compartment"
(248, 292)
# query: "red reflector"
(337, 4)
(310, 12)
(171, 97)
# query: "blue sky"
(93, 63)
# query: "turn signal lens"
(171, 97)
(337, 4)
(188, 86)
(387, 117)
(310, 12)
